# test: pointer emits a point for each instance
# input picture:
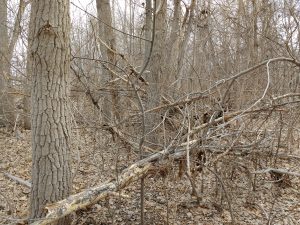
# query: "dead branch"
(114, 131)
(227, 118)
(280, 171)
(18, 180)
(92, 195)
(134, 172)
(206, 93)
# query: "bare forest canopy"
(207, 91)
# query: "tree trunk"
(147, 29)
(7, 117)
(183, 47)
(156, 66)
(254, 49)
(108, 51)
(48, 66)
(172, 48)
(15, 35)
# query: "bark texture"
(49, 64)
(108, 51)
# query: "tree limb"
(18, 180)
(92, 195)
(280, 171)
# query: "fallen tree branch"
(278, 171)
(134, 172)
(92, 195)
(18, 180)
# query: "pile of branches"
(208, 135)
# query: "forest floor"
(168, 198)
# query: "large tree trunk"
(49, 63)
(108, 51)
(7, 117)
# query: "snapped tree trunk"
(48, 66)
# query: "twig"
(205, 93)
(142, 109)
(131, 35)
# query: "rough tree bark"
(49, 65)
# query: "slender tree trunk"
(108, 51)
(7, 45)
(254, 52)
(7, 117)
(15, 35)
(237, 92)
(49, 65)
(147, 28)
(183, 44)
(17, 28)
(172, 45)
(156, 67)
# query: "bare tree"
(7, 46)
(5, 103)
(49, 63)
